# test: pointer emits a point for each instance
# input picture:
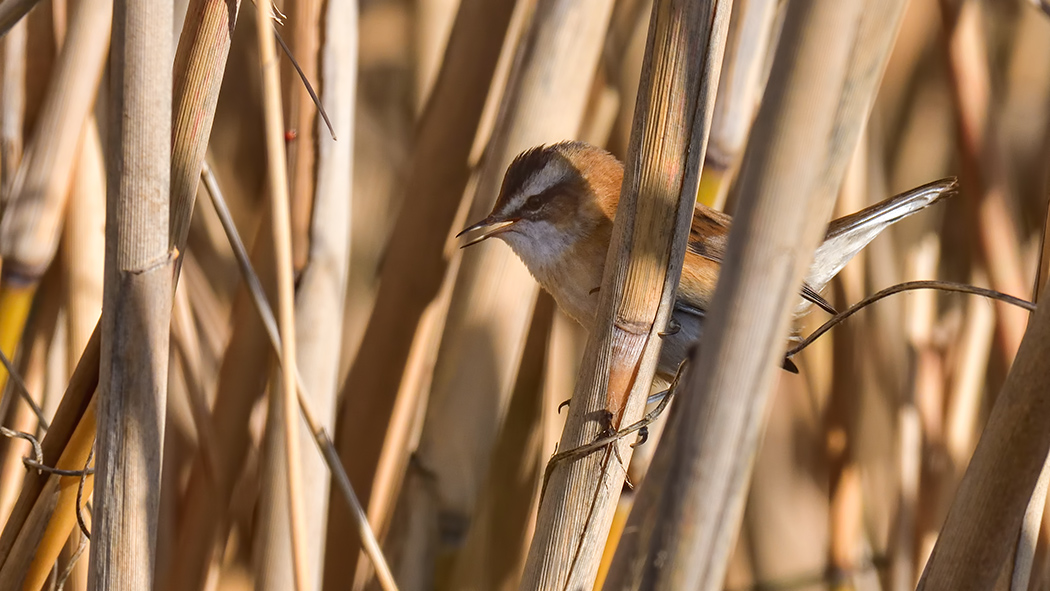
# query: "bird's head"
(552, 197)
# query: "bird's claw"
(643, 436)
(672, 329)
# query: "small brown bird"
(556, 207)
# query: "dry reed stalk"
(211, 316)
(989, 506)
(200, 63)
(282, 237)
(320, 435)
(206, 501)
(785, 506)
(983, 167)
(184, 338)
(493, 551)
(962, 414)
(842, 419)
(927, 392)
(136, 300)
(406, 418)
(672, 119)
(27, 566)
(31, 365)
(31, 226)
(30, 518)
(12, 11)
(544, 103)
(41, 53)
(201, 56)
(433, 23)
(83, 244)
(12, 104)
(830, 58)
(320, 296)
(301, 118)
(739, 92)
(627, 80)
(1028, 538)
(414, 264)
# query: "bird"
(556, 207)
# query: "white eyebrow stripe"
(541, 180)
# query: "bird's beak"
(488, 227)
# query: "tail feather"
(846, 236)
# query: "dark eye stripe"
(537, 201)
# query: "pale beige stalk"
(301, 117)
(669, 136)
(282, 234)
(12, 104)
(12, 11)
(830, 58)
(83, 243)
(320, 435)
(137, 301)
(319, 302)
(198, 72)
(983, 523)
(32, 222)
(413, 270)
(493, 551)
(433, 23)
(493, 295)
(983, 166)
(739, 92)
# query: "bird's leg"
(608, 435)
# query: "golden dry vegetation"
(429, 378)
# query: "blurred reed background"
(438, 372)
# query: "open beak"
(488, 227)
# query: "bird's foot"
(672, 329)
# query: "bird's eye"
(533, 204)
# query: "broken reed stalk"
(825, 74)
(668, 138)
(32, 221)
(199, 65)
(136, 310)
(321, 293)
(413, 270)
(544, 102)
(277, 165)
(983, 523)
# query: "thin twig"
(60, 583)
(80, 494)
(23, 391)
(320, 435)
(306, 83)
(909, 286)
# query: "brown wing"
(708, 238)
